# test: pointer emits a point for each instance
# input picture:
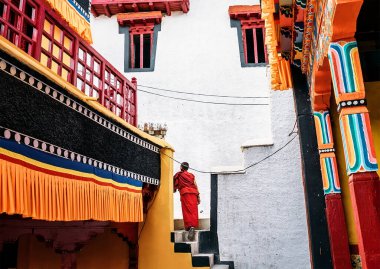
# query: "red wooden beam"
(143, 18)
(168, 11)
(113, 7)
(107, 10)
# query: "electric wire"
(204, 102)
(203, 94)
(244, 169)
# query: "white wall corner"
(225, 170)
(258, 142)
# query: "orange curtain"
(44, 196)
(73, 18)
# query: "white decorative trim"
(49, 148)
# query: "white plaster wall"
(197, 52)
(261, 214)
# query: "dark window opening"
(8, 257)
(2, 7)
(29, 11)
(140, 50)
(260, 45)
(147, 50)
(249, 40)
(136, 43)
(18, 23)
(254, 47)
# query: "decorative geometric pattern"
(358, 143)
(346, 70)
(329, 168)
(308, 35)
(323, 127)
(301, 3)
(43, 146)
(287, 11)
(83, 7)
(71, 103)
(352, 103)
(330, 175)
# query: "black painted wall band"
(26, 109)
(312, 178)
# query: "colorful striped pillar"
(361, 163)
(331, 186)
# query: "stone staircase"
(203, 254)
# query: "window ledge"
(254, 65)
(259, 142)
(225, 170)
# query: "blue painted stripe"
(65, 163)
(84, 14)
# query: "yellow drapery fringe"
(39, 195)
(73, 18)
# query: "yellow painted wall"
(373, 97)
(155, 249)
(33, 254)
(105, 251)
(348, 210)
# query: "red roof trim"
(243, 12)
(113, 7)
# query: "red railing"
(39, 31)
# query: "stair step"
(182, 236)
(202, 260)
(187, 247)
(220, 266)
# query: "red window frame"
(18, 16)
(140, 32)
(89, 73)
(253, 25)
(62, 49)
(16, 23)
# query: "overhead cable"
(204, 102)
(244, 169)
(202, 94)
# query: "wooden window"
(57, 50)
(89, 77)
(18, 19)
(253, 43)
(113, 92)
(141, 44)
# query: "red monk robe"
(185, 183)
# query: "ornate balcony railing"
(39, 31)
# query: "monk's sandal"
(191, 234)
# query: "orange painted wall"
(104, 251)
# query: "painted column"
(361, 163)
(331, 186)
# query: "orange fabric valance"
(75, 16)
(43, 191)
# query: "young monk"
(188, 189)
